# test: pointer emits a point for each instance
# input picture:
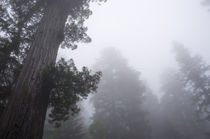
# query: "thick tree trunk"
(25, 115)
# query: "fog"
(144, 31)
(145, 74)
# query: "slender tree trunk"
(25, 115)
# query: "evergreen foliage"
(19, 21)
(67, 87)
(118, 103)
(194, 73)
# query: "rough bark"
(24, 118)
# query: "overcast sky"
(144, 31)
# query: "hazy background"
(144, 31)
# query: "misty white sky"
(144, 31)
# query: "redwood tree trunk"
(25, 115)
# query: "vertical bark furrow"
(25, 115)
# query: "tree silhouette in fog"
(183, 109)
(118, 103)
(194, 73)
(206, 2)
(178, 110)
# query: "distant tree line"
(32, 82)
(183, 110)
(125, 106)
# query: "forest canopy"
(125, 79)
